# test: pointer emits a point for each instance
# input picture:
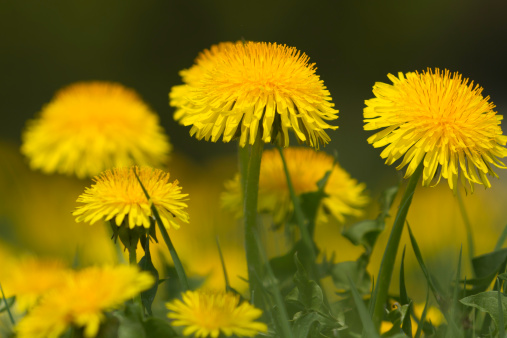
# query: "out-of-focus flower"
(241, 89)
(207, 314)
(344, 196)
(82, 301)
(89, 127)
(29, 279)
(118, 195)
(440, 120)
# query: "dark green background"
(143, 44)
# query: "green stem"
(468, 226)
(303, 228)
(386, 267)
(182, 277)
(133, 261)
(7, 307)
(250, 193)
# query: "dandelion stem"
(466, 220)
(250, 193)
(386, 267)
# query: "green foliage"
(146, 264)
(313, 318)
(132, 324)
(365, 233)
(488, 302)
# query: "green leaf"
(435, 288)
(365, 233)
(355, 270)
(501, 239)
(397, 316)
(146, 264)
(488, 302)
(405, 301)
(309, 293)
(423, 315)
(314, 325)
(131, 325)
(489, 263)
(368, 326)
(156, 327)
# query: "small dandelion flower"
(89, 127)
(82, 301)
(207, 314)
(118, 195)
(241, 89)
(345, 197)
(440, 120)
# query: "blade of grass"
(7, 307)
(224, 269)
(407, 323)
(423, 315)
(389, 257)
(501, 239)
(182, 277)
(368, 325)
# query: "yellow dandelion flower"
(117, 194)
(29, 279)
(82, 301)
(89, 127)
(207, 314)
(241, 89)
(203, 63)
(438, 119)
(345, 197)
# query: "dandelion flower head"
(241, 89)
(207, 314)
(89, 127)
(82, 301)
(441, 120)
(344, 195)
(118, 195)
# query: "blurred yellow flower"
(82, 301)
(29, 278)
(89, 127)
(117, 194)
(440, 120)
(207, 314)
(345, 197)
(241, 89)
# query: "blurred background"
(47, 45)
